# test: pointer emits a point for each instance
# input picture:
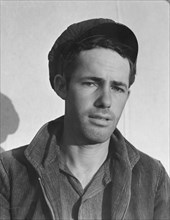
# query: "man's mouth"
(100, 120)
(102, 117)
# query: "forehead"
(104, 63)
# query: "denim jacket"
(29, 180)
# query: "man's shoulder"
(18, 154)
(14, 158)
(146, 163)
(13, 153)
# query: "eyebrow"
(114, 82)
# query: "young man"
(79, 166)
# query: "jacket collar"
(44, 148)
(123, 150)
(125, 156)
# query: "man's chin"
(98, 137)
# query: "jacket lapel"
(43, 153)
(51, 187)
(121, 173)
(121, 192)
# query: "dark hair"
(70, 52)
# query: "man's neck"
(84, 161)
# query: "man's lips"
(101, 117)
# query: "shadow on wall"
(9, 119)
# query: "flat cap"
(77, 32)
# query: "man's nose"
(104, 98)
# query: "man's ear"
(60, 86)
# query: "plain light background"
(28, 31)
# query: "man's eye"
(118, 89)
(90, 84)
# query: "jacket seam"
(137, 157)
(4, 168)
(158, 178)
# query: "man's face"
(96, 95)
